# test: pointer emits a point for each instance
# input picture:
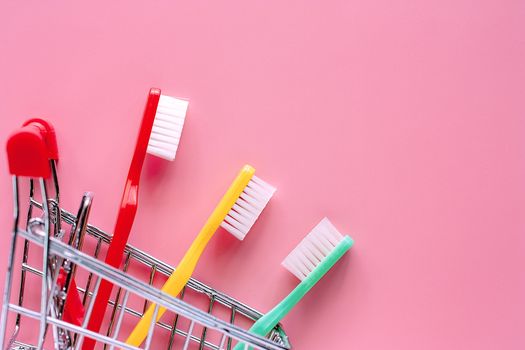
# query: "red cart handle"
(48, 132)
(30, 148)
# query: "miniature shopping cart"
(55, 257)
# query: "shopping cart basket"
(60, 249)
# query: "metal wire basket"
(57, 243)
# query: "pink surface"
(402, 122)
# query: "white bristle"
(167, 127)
(316, 246)
(248, 207)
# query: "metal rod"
(71, 327)
(165, 269)
(120, 317)
(45, 259)
(153, 295)
(88, 314)
(232, 321)
(187, 341)
(25, 254)
(223, 340)
(205, 329)
(151, 327)
(53, 166)
(151, 276)
(76, 237)
(117, 298)
(10, 262)
(174, 329)
(119, 278)
(90, 276)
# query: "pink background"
(402, 122)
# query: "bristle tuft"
(316, 246)
(167, 127)
(248, 207)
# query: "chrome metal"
(187, 341)
(10, 265)
(76, 237)
(45, 258)
(223, 340)
(26, 252)
(56, 208)
(88, 313)
(77, 254)
(151, 328)
(120, 317)
(154, 295)
(117, 298)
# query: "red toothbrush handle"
(126, 216)
(73, 309)
(113, 258)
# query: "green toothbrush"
(309, 261)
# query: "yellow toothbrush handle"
(173, 286)
(184, 270)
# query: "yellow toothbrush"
(236, 213)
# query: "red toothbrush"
(159, 135)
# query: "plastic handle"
(73, 308)
(126, 215)
(30, 148)
(48, 132)
(266, 323)
(184, 270)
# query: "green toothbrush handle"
(267, 322)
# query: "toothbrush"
(159, 135)
(237, 211)
(309, 261)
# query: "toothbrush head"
(323, 245)
(249, 204)
(167, 127)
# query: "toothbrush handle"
(173, 286)
(126, 216)
(184, 270)
(177, 279)
(267, 322)
(113, 258)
